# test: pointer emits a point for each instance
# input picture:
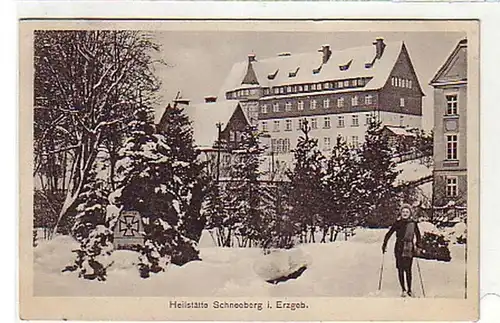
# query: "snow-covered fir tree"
(178, 131)
(306, 190)
(342, 184)
(92, 230)
(153, 182)
(248, 197)
(216, 212)
(379, 195)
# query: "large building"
(450, 130)
(338, 91)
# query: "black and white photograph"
(249, 162)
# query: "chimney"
(379, 47)
(251, 58)
(325, 50)
(210, 99)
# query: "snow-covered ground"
(339, 269)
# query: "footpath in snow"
(339, 269)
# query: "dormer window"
(272, 76)
(346, 66)
(293, 73)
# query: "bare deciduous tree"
(86, 85)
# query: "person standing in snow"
(406, 229)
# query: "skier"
(406, 230)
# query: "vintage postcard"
(249, 170)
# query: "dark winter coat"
(400, 228)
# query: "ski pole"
(420, 276)
(381, 271)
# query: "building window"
(301, 88)
(368, 119)
(452, 104)
(401, 120)
(451, 147)
(393, 81)
(232, 136)
(276, 90)
(346, 83)
(306, 87)
(288, 106)
(340, 84)
(340, 102)
(326, 143)
(319, 87)
(355, 141)
(314, 123)
(354, 101)
(266, 91)
(299, 124)
(451, 186)
(276, 107)
(326, 103)
(341, 122)
(326, 124)
(263, 109)
(276, 126)
(402, 102)
(313, 87)
(300, 105)
(368, 99)
(264, 126)
(313, 104)
(410, 85)
(355, 121)
(282, 90)
(288, 125)
(289, 89)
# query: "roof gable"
(404, 65)
(204, 118)
(454, 68)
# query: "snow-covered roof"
(304, 64)
(205, 116)
(400, 131)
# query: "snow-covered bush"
(154, 180)
(92, 231)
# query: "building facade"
(338, 92)
(450, 130)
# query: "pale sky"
(200, 61)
